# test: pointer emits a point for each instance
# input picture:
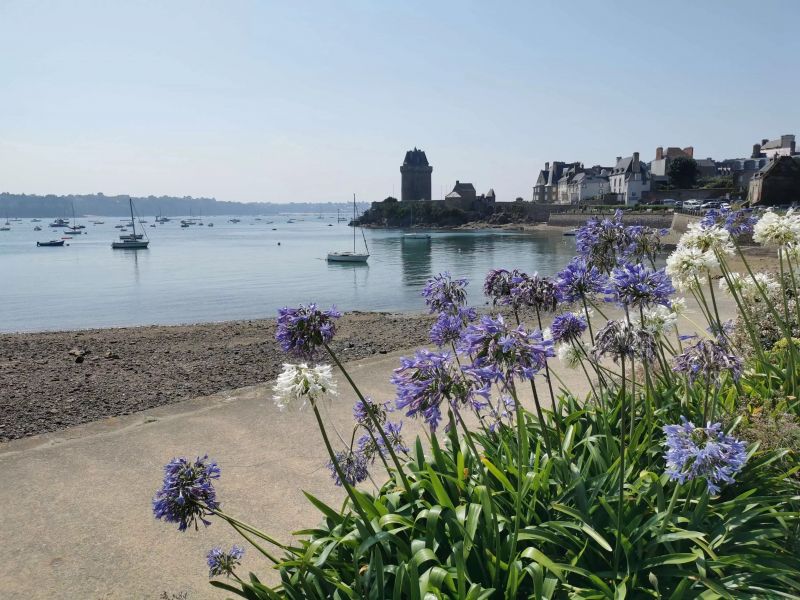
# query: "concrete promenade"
(77, 522)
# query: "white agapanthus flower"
(776, 230)
(678, 306)
(715, 238)
(570, 354)
(686, 266)
(747, 288)
(792, 252)
(299, 384)
(658, 320)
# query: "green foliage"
(453, 536)
(721, 182)
(682, 172)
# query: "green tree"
(683, 172)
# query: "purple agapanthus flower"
(353, 465)
(579, 281)
(379, 412)
(303, 330)
(737, 222)
(568, 327)
(503, 352)
(637, 285)
(707, 452)
(223, 563)
(442, 293)
(643, 243)
(709, 359)
(533, 291)
(497, 285)
(187, 494)
(448, 327)
(599, 242)
(371, 446)
(430, 379)
(620, 339)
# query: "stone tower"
(416, 177)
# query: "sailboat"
(347, 256)
(6, 227)
(415, 236)
(131, 242)
(74, 229)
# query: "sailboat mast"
(133, 221)
(354, 223)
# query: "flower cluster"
(658, 320)
(568, 327)
(429, 379)
(599, 242)
(503, 353)
(709, 359)
(371, 445)
(688, 266)
(187, 494)
(533, 291)
(498, 284)
(620, 339)
(571, 354)
(643, 243)
(449, 326)
(736, 222)
(775, 230)
(707, 452)
(443, 294)
(303, 330)
(714, 238)
(580, 281)
(353, 465)
(223, 563)
(298, 384)
(750, 289)
(637, 285)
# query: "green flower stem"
(555, 405)
(621, 502)
(522, 455)
(348, 488)
(670, 508)
(372, 418)
(237, 524)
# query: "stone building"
(465, 197)
(777, 183)
(546, 189)
(659, 166)
(629, 179)
(783, 146)
(416, 177)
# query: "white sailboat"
(347, 256)
(415, 236)
(131, 242)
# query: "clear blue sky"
(283, 101)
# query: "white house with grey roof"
(629, 179)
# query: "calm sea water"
(239, 270)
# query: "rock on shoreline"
(53, 380)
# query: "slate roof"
(416, 158)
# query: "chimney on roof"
(764, 141)
(756, 151)
(659, 153)
(547, 166)
(635, 163)
(619, 158)
(792, 147)
(689, 150)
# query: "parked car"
(725, 205)
(692, 204)
(669, 202)
(710, 204)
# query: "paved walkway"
(77, 521)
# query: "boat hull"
(129, 245)
(50, 244)
(416, 236)
(351, 257)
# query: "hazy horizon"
(312, 102)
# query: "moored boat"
(131, 242)
(50, 244)
(347, 256)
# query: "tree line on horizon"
(50, 205)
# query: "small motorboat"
(60, 223)
(50, 244)
(570, 233)
(210, 225)
(4, 228)
(37, 228)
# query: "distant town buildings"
(546, 189)
(629, 179)
(783, 146)
(465, 197)
(659, 166)
(416, 177)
